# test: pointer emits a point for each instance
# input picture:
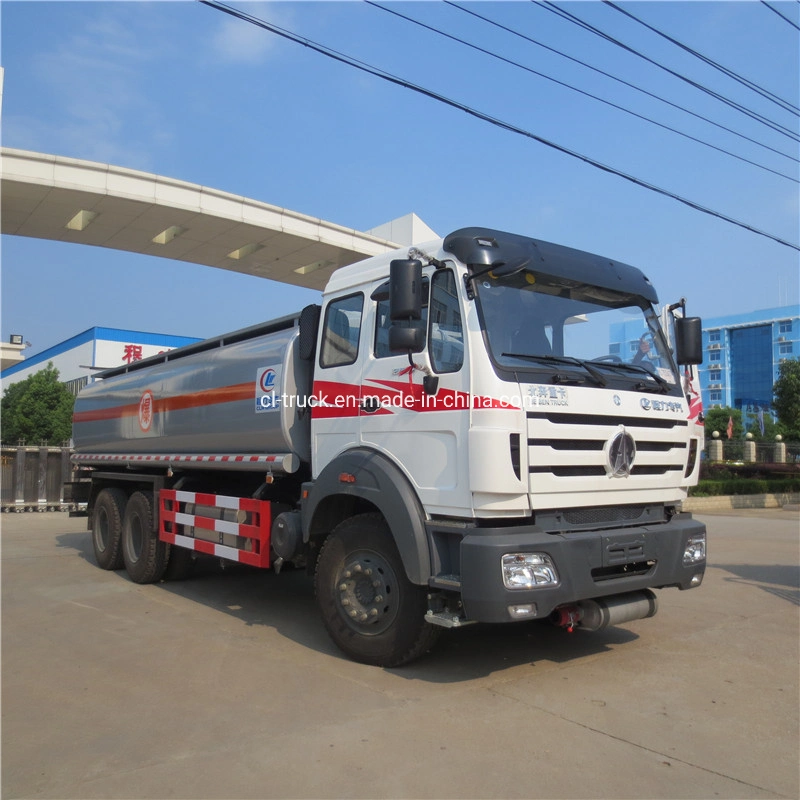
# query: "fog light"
(696, 580)
(528, 570)
(695, 551)
(525, 611)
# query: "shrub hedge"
(713, 488)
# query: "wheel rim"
(367, 592)
(102, 533)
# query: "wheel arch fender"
(378, 483)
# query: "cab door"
(420, 430)
(336, 396)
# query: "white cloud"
(241, 42)
(99, 109)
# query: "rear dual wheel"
(107, 520)
(139, 551)
(144, 554)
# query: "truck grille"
(598, 516)
(569, 452)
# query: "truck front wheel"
(144, 553)
(370, 608)
(109, 511)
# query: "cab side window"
(446, 336)
(341, 330)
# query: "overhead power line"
(509, 61)
(779, 101)
(379, 73)
(782, 16)
(777, 127)
(618, 79)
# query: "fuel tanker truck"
(484, 428)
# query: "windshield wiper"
(596, 376)
(621, 365)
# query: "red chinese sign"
(146, 411)
(132, 352)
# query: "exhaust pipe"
(598, 614)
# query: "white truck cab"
(541, 466)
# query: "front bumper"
(589, 564)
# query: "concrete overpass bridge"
(85, 202)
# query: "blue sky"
(183, 90)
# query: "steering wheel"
(647, 354)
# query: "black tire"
(180, 564)
(144, 553)
(370, 609)
(109, 512)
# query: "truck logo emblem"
(268, 389)
(620, 453)
(146, 411)
(267, 381)
(617, 400)
(661, 405)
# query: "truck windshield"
(574, 332)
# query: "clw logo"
(267, 381)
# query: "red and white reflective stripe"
(215, 500)
(283, 462)
(176, 527)
(179, 458)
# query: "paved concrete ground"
(228, 687)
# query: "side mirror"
(405, 289)
(405, 306)
(406, 340)
(689, 340)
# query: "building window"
(785, 326)
(715, 336)
(76, 384)
(785, 348)
(715, 397)
(614, 349)
(715, 375)
(751, 352)
(715, 355)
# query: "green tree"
(771, 428)
(717, 420)
(37, 409)
(786, 398)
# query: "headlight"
(695, 551)
(528, 570)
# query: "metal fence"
(33, 478)
(744, 452)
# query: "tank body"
(247, 397)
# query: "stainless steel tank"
(243, 393)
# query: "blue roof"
(753, 317)
(106, 334)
